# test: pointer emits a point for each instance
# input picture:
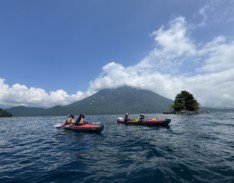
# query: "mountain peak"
(110, 101)
(123, 99)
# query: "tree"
(185, 101)
(4, 113)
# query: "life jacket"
(69, 120)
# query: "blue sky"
(57, 52)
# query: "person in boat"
(80, 120)
(142, 117)
(126, 118)
(70, 119)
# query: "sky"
(58, 52)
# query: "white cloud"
(202, 12)
(18, 94)
(174, 39)
(178, 63)
(219, 55)
(173, 47)
(216, 11)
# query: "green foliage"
(185, 101)
(4, 113)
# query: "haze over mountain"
(107, 101)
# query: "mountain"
(122, 100)
(27, 111)
(4, 113)
(107, 101)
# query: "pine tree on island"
(185, 103)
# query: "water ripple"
(196, 148)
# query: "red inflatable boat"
(145, 122)
(86, 127)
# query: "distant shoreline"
(186, 112)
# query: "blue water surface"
(193, 148)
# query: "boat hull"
(87, 127)
(148, 122)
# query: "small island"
(185, 103)
(4, 113)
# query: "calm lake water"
(194, 148)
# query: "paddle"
(58, 125)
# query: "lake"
(193, 148)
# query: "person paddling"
(80, 120)
(70, 119)
(126, 117)
(142, 117)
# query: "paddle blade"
(58, 125)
